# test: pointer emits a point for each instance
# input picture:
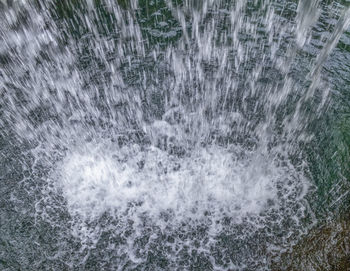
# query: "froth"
(98, 178)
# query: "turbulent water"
(165, 135)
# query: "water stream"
(168, 135)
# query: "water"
(168, 136)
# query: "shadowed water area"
(174, 135)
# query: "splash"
(99, 177)
(164, 135)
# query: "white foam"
(96, 178)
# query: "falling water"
(154, 134)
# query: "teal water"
(170, 135)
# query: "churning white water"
(101, 177)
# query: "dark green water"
(170, 135)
